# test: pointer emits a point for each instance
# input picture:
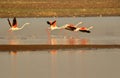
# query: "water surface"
(96, 63)
(105, 31)
(61, 63)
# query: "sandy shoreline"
(56, 8)
(56, 47)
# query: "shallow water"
(67, 63)
(94, 63)
(105, 31)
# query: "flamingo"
(67, 26)
(14, 27)
(52, 25)
(72, 27)
(84, 29)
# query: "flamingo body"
(53, 25)
(87, 31)
(70, 27)
(84, 29)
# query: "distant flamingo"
(84, 29)
(71, 27)
(67, 26)
(52, 25)
(13, 26)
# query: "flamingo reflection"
(52, 41)
(72, 41)
(13, 64)
(13, 53)
(84, 41)
(13, 42)
(53, 52)
(75, 41)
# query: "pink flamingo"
(13, 26)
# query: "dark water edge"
(46, 47)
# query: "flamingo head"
(27, 23)
(91, 27)
(80, 22)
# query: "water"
(105, 31)
(101, 63)
(67, 63)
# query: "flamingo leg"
(48, 34)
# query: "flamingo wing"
(86, 31)
(52, 23)
(14, 22)
(71, 28)
(48, 22)
(9, 22)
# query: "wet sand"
(47, 47)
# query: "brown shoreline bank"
(59, 8)
(56, 47)
(90, 12)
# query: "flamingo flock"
(70, 27)
(53, 26)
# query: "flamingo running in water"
(13, 26)
(84, 29)
(71, 27)
(52, 25)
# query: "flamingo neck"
(24, 25)
(16, 28)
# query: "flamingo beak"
(27, 23)
(80, 22)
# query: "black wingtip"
(88, 31)
(48, 22)
(14, 21)
(14, 18)
(85, 31)
(9, 22)
(51, 23)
